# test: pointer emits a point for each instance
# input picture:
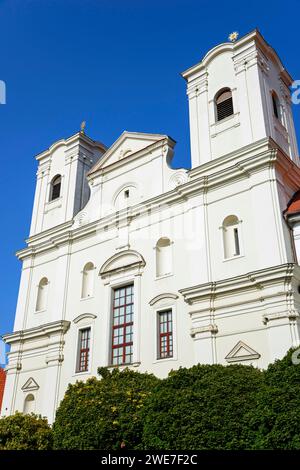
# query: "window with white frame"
(122, 325)
(83, 353)
(165, 334)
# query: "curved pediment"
(84, 316)
(125, 260)
(166, 296)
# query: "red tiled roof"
(294, 205)
(2, 384)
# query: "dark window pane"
(275, 106)
(55, 188)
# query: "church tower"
(239, 94)
(62, 189)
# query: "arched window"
(126, 197)
(29, 404)
(231, 236)
(55, 188)
(163, 257)
(87, 281)
(223, 104)
(41, 300)
(276, 105)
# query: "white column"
(11, 386)
(40, 198)
(204, 344)
(107, 333)
(194, 132)
(281, 335)
(203, 332)
(249, 71)
(54, 360)
(203, 120)
(137, 319)
(59, 285)
(50, 400)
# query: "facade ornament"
(82, 127)
(233, 36)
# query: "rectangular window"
(122, 327)
(165, 334)
(83, 350)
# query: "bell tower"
(62, 189)
(239, 94)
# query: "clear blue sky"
(114, 63)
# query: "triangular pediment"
(30, 385)
(127, 144)
(242, 352)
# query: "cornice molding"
(252, 41)
(291, 315)
(79, 137)
(211, 328)
(254, 280)
(209, 176)
(46, 330)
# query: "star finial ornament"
(82, 127)
(233, 36)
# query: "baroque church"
(131, 263)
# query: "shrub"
(275, 422)
(102, 414)
(204, 407)
(25, 432)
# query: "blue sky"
(114, 63)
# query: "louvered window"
(224, 105)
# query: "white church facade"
(132, 263)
